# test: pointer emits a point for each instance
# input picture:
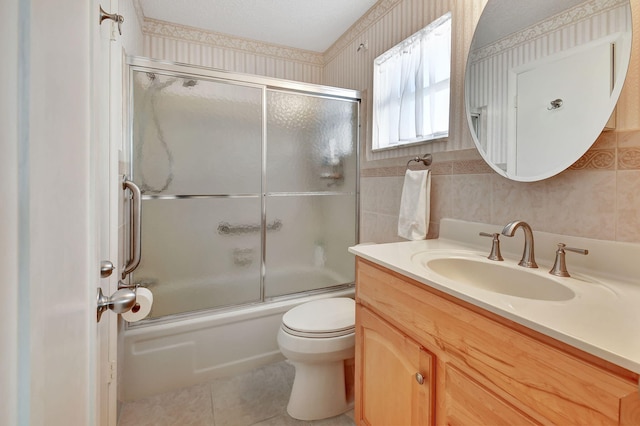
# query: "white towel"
(413, 222)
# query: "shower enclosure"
(249, 186)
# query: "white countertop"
(603, 318)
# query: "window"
(411, 88)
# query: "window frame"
(433, 87)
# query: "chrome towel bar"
(426, 159)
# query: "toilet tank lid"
(322, 316)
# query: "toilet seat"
(324, 318)
(317, 337)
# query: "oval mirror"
(542, 80)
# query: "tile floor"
(256, 398)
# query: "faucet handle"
(495, 247)
(560, 265)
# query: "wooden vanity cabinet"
(399, 373)
(476, 367)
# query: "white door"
(106, 131)
(54, 229)
(540, 128)
(9, 207)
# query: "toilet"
(317, 337)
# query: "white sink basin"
(499, 278)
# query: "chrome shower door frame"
(177, 70)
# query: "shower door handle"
(135, 230)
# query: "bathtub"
(165, 355)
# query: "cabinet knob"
(419, 378)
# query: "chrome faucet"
(528, 259)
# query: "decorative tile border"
(165, 29)
(600, 159)
(374, 14)
(623, 157)
(461, 167)
(629, 158)
(184, 33)
(563, 19)
(366, 173)
(393, 171)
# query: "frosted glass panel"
(190, 136)
(200, 253)
(216, 157)
(311, 143)
(310, 249)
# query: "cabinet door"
(551, 382)
(467, 402)
(395, 375)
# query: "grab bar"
(135, 230)
(225, 228)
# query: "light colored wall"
(132, 38)
(596, 198)
(177, 43)
(385, 25)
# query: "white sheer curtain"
(411, 88)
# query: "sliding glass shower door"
(249, 191)
(311, 179)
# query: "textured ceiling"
(304, 24)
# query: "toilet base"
(318, 391)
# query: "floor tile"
(252, 397)
(286, 420)
(188, 406)
(256, 398)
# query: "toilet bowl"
(317, 337)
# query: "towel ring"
(426, 159)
